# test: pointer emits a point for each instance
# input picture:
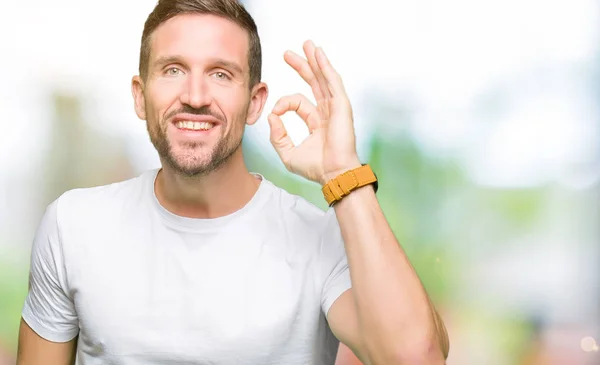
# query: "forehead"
(200, 37)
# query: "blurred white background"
(508, 92)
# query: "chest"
(177, 297)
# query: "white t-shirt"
(143, 286)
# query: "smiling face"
(196, 98)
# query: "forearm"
(395, 314)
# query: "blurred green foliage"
(13, 288)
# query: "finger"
(299, 104)
(301, 66)
(332, 77)
(309, 50)
(280, 139)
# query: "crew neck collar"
(207, 224)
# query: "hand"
(330, 149)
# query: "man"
(203, 262)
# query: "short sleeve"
(48, 310)
(335, 274)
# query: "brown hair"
(228, 9)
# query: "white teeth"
(195, 126)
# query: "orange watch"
(340, 186)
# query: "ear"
(258, 99)
(137, 89)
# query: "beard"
(191, 161)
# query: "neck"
(216, 194)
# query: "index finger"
(299, 104)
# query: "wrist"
(332, 174)
(346, 180)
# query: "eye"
(221, 75)
(173, 71)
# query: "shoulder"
(81, 203)
(83, 212)
(293, 204)
(299, 211)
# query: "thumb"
(280, 139)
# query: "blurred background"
(481, 119)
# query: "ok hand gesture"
(330, 149)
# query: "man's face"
(196, 98)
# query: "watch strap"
(340, 186)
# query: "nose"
(196, 92)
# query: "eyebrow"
(229, 65)
(165, 60)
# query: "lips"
(193, 126)
(192, 122)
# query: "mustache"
(205, 110)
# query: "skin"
(387, 316)
(199, 66)
(198, 69)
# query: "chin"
(188, 161)
(199, 160)
(192, 166)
